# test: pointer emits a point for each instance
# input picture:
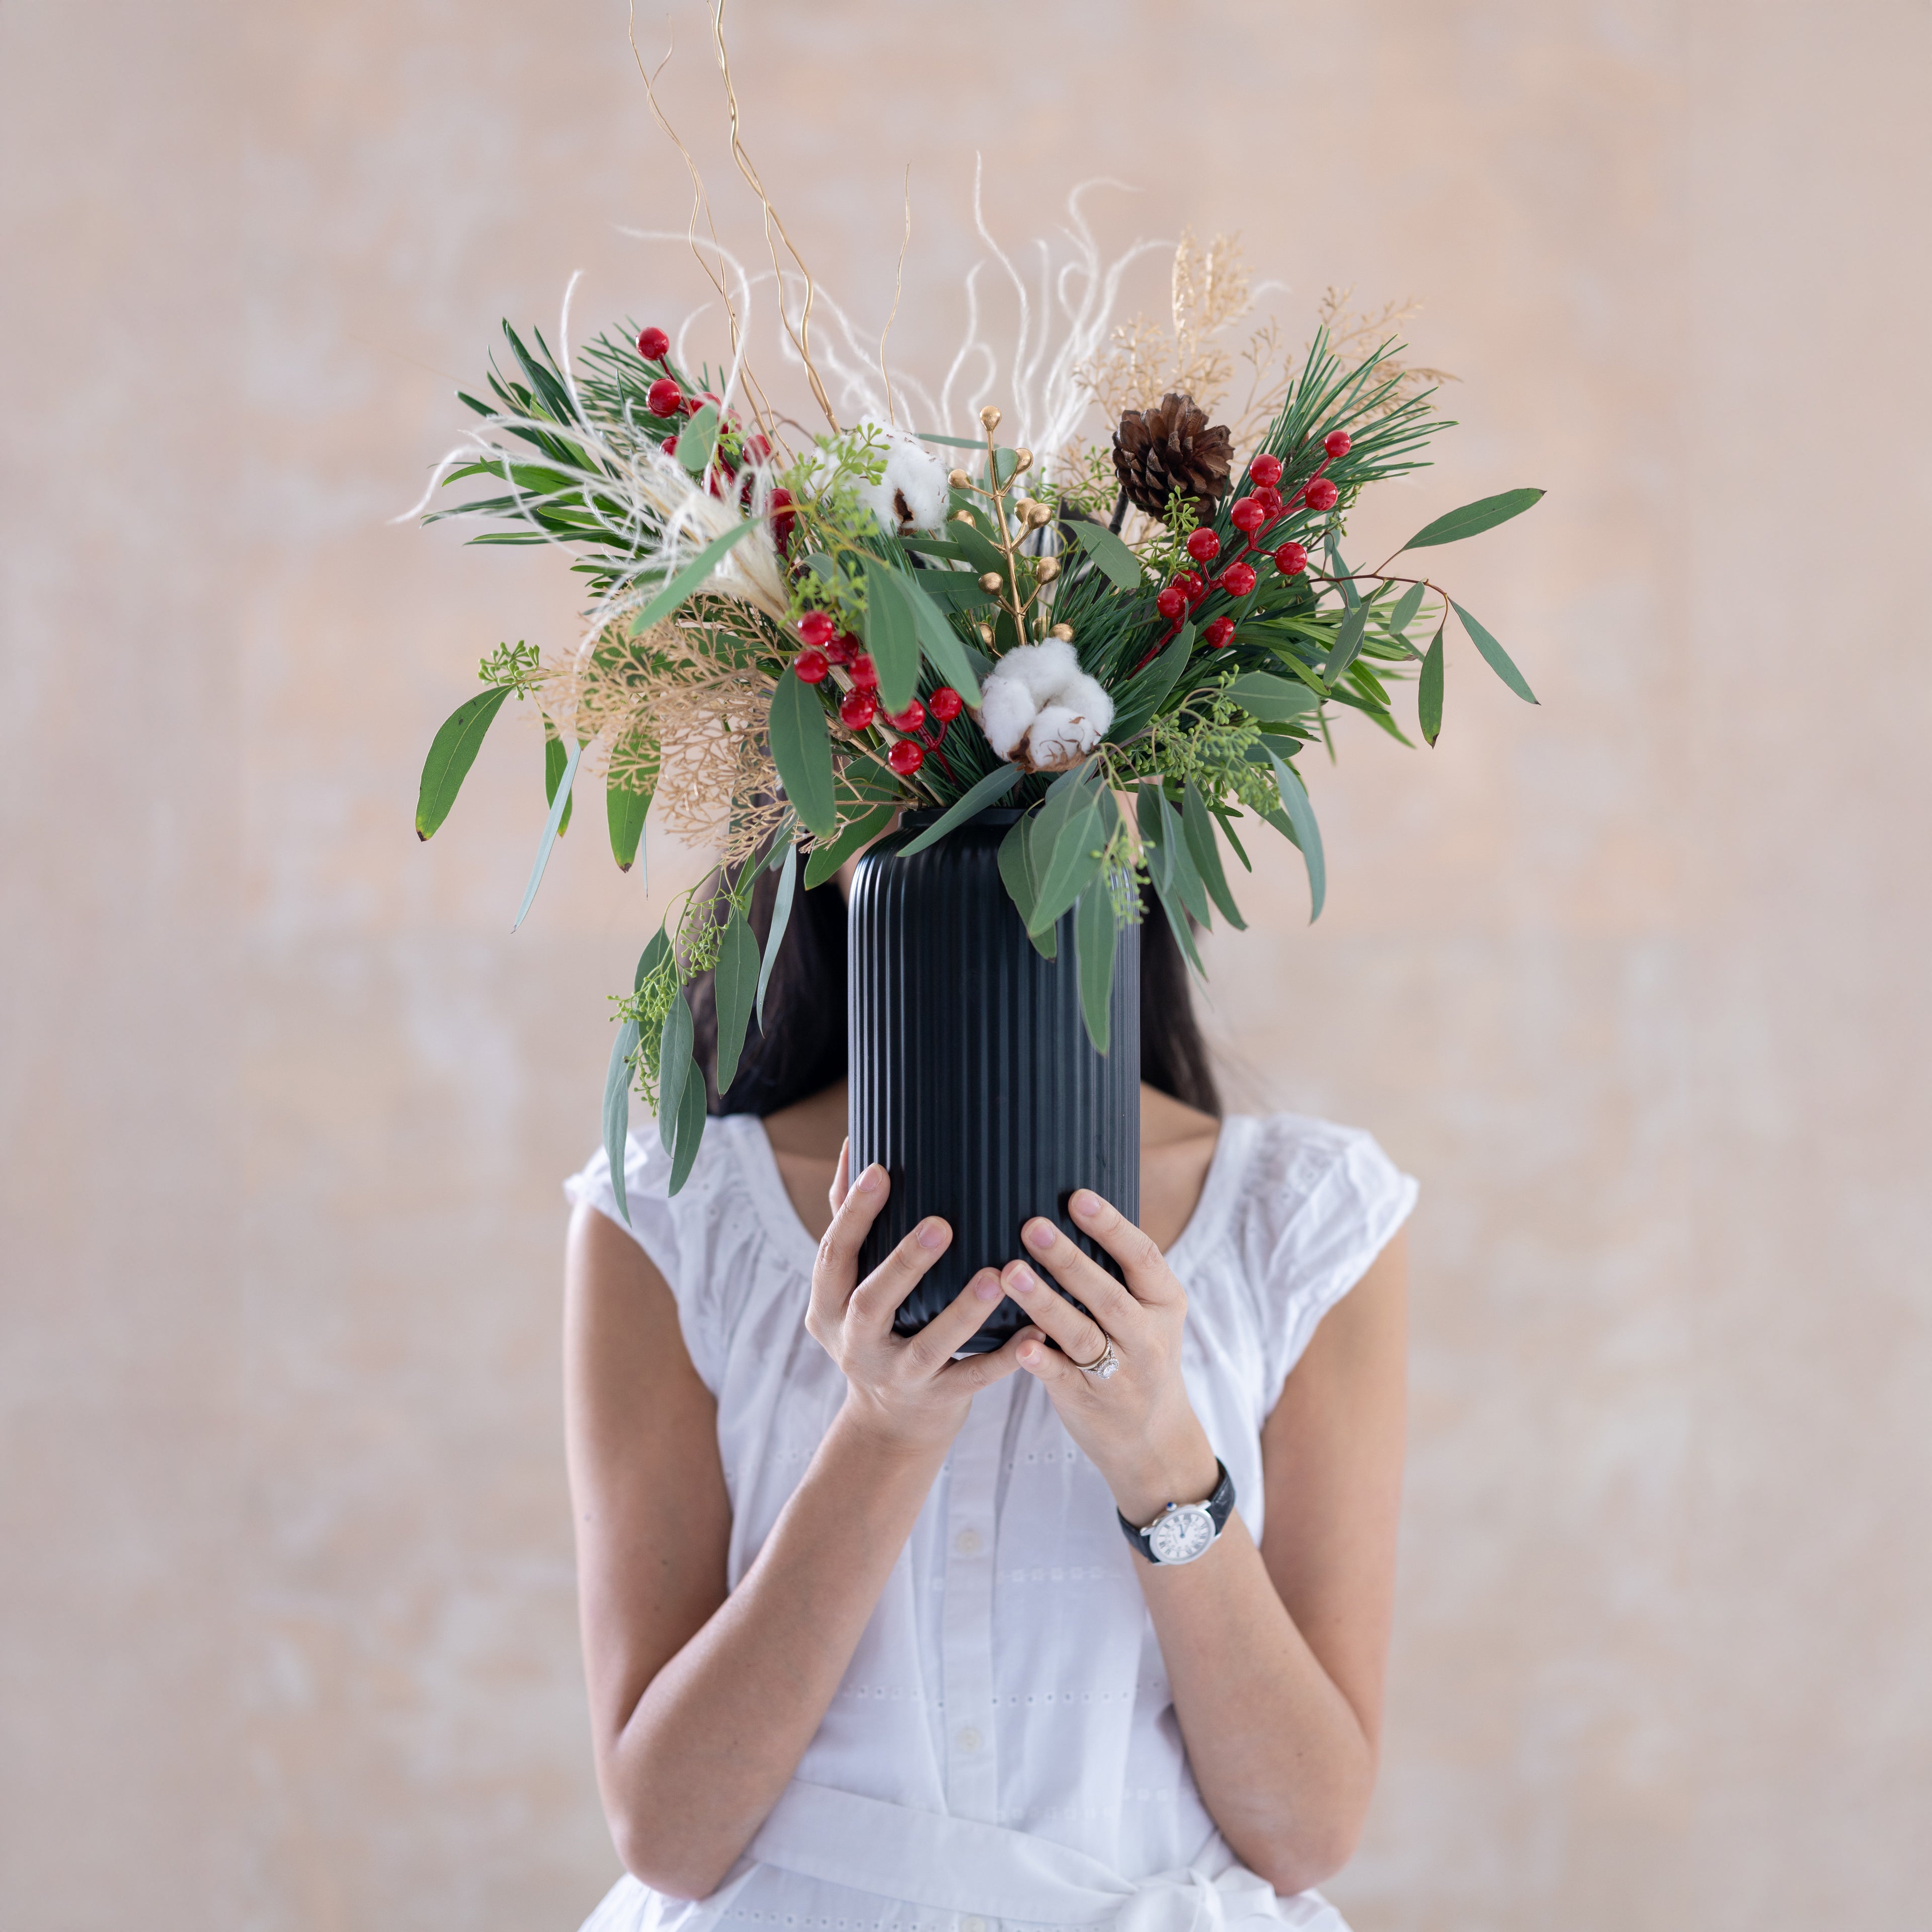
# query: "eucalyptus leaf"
(938, 640)
(688, 1131)
(948, 442)
(1272, 700)
(1015, 874)
(555, 759)
(559, 805)
(1072, 861)
(1307, 833)
(1472, 519)
(1428, 688)
(1348, 641)
(1095, 940)
(617, 1079)
(854, 835)
(676, 1069)
(891, 636)
(626, 811)
(802, 750)
(1197, 827)
(781, 919)
(451, 752)
(735, 987)
(1187, 880)
(1403, 615)
(1119, 565)
(695, 440)
(1498, 659)
(991, 789)
(689, 580)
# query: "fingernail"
(1029, 1351)
(1085, 1205)
(1021, 1282)
(932, 1233)
(1041, 1235)
(986, 1286)
(869, 1182)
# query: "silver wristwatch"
(1184, 1531)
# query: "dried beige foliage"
(678, 713)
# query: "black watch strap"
(1220, 1507)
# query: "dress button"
(968, 1543)
(969, 1739)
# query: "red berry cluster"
(1251, 515)
(825, 647)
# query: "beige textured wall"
(1635, 981)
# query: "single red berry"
(1338, 443)
(818, 628)
(1204, 546)
(844, 648)
(653, 345)
(856, 709)
(1171, 603)
(905, 757)
(1190, 586)
(669, 445)
(783, 522)
(811, 667)
(1322, 494)
(1247, 516)
(1219, 633)
(757, 449)
(1269, 498)
(864, 673)
(663, 397)
(946, 704)
(1265, 471)
(692, 404)
(909, 719)
(1238, 579)
(1291, 560)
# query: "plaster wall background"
(1635, 981)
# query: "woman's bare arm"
(702, 1703)
(1275, 1656)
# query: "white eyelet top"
(1009, 1674)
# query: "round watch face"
(1182, 1535)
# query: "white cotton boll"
(1006, 708)
(1038, 708)
(913, 494)
(1040, 669)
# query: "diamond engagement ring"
(1103, 1365)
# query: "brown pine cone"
(1160, 451)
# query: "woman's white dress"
(1003, 1750)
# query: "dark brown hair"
(800, 1050)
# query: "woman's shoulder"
(730, 1228)
(1295, 1211)
(1290, 1178)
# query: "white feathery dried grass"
(642, 506)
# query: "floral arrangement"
(791, 637)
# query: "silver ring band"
(1103, 1365)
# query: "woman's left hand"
(1138, 1426)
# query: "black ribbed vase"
(973, 1080)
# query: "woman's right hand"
(906, 1390)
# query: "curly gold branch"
(801, 336)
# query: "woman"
(867, 1642)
